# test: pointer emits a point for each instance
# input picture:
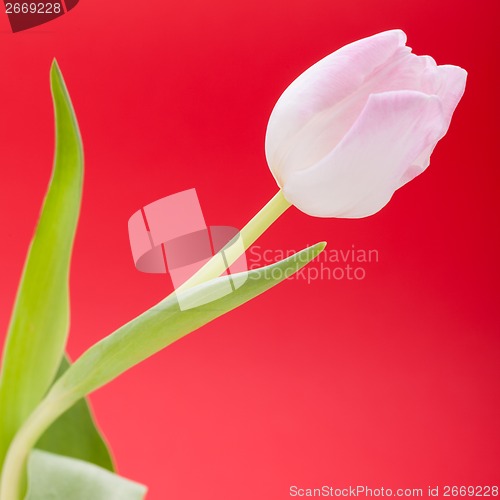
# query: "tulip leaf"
(39, 325)
(55, 477)
(142, 337)
(165, 323)
(75, 434)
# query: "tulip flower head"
(359, 124)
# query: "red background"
(391, 381)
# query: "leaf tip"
(56, 77)
(55, 71)
(319, 247)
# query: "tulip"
(350, 131)
(359, 124)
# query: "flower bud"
(359, 124)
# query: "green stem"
(276, 206)
(13, 479)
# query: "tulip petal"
(321, 106)
(318, 136)
(321, 87)
(360, 175)
(448, 83)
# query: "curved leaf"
(54, 477)
(165, 323)
(142, 337)
(39, 324)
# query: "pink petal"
(360, 175)
(322, 86)
(449, 85)
(447, 82)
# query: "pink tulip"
(359, 124)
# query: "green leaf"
(75, 434)
(39, 324)
(53, 477)
(145, 335)
(165, 323)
